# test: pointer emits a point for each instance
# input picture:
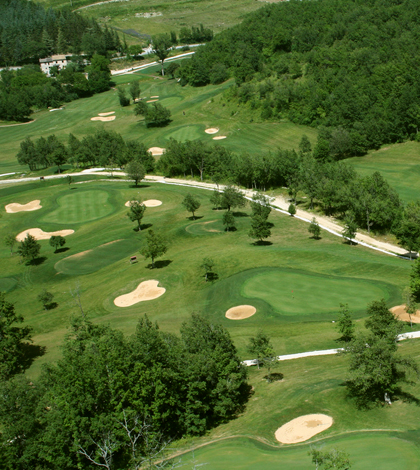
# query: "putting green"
(388, 452)
(92, 260)
(80, 206)
(7, 284)
(185, 133)
(294, 293)
(171, 100)
(206, 228)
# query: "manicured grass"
(7, 284)
(303, 293)
(186, 133)
(385, 451)
(80, 206)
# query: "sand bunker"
(39, 234)
(148, 203)
(151, 101)
(103, 119)
(219, 137)
(106, 114)
(156, 151)
(16, 207)
(400, 312)
(212, 130)
(155, 96)
(240, 312)
(146, 290)
(303, 428)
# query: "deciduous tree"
(135, 171)
(57, 241)
(161, 45)
(314, 228)
(229, 221)
(191, 204)
(136, 212)
(9, 241)
(345, 324)
(29, 248)
(260, 228)
(232, 197)
(45, 298)
(155, 246)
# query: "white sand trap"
(303, 428)
(56, 109)
(103, 119)
(219, 137)
(30, 206)
(156, 151)
(400, 312)
(39, 234)
(157, 96)
(127, 204)
(106, 114)
(151, 101)
(212, 130)
(148, 203)
(240, 312)
(146, 290)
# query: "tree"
(232, 197)
(29, 248)
(136, 213)
(229, 221)
(305, 145)
(408, 232)
(12, 340)
(172, 68)
(260, 228)
(410, 303)
(215, 199)
(314, 228)
(157, 115)
(161, 45)
(9, 241)
(381, 321)
(335, 458)
(260, 205)
(45, 298)
(350, 227)
(345, 324)
(415, 279)
(208, 265)
(69, 180)
(191, 204)
(155, 246)
(124, 99)
(134, 90)
(57, 241)
(261, 347)
(292, 209)
(135, 171)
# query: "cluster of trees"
(114, 401)
(105, 148)
(28, 31)
(155, 115)
(28, 88)
(317, 63)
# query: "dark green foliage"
(408, 231)
(172, 68)
(345, 324)
(208, 265)
(136, 213)
(335, 458)
(292, 209)
(191, 204)
(155, 115)
(314, 229)
(232, 197)
(123, 98)
(134, 90)
(12, 340)
(381, 321)
(260, 228)
(260, 205)
(57, 241)
(29, 248)
(350, 227)
(216, 198)
(228, 221)
(45, 298)
(415, 279)
(161, 46)
(155, 246)
(135, 171)
(10, 241)
(261, 347)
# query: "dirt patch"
(146, 290)
(219, 137)
(30, 206)
(106, 114)
(156, 151)
(240, 312)
(400, 312)
(303, 428)
(103, 119)
(212, 130)
(39, 234)
(151, 101)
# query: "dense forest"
(352, 67)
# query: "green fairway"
(80, 206)
(7, 284)
(209, 227)
(186, 133)
(300, 293)
(383, 451)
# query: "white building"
(59, 60)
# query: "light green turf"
(186, 133)
(209, 227)
(80, 206)
(98, 258)
(367, 451)
(7, 284)
(305, 293)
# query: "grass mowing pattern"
(7, 284)
(79, 207)
(298, 293)
(367, 450)
(210, 227)
(187, 133)
(98, 258)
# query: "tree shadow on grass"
(231, 229)
(274, 377)
(407, 397)
(160, 264)
(240, 214)
(262, 243)
(143, 227)
(73, 189)
(139, 186)
(212, 276)
(197, 217)
(62, 250)
(36, 261)
(51, 306)
(30, 353)
(270, 224)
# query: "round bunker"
(156, 151)
(148, 203)
(240, 312)
(219, 137)
(39, 234)
(146, 290)
(212, 130)
(400, 312)
(16, 207)
(303, 428)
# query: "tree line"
(351, 67)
